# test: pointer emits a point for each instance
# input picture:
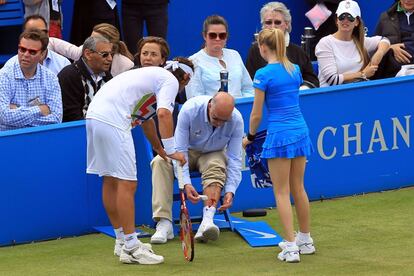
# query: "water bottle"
(224, 81)
(306, 42)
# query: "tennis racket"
(186, 229)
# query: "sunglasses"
(104, 54)
(276, 22)
(32, 52)
(221, 36)
(347, 16)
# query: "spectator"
(51, 60)
(287, 142)
(214, 58)
(135, 12)
(152, 51)
(122, 58)
(81, 80)
(347, 55)
(209, 133)
(110, 147)
(29, 93)
(397, 25)
(276, 15)
(50, 10)
(87, 14)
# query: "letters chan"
(364, 137)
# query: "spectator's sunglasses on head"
(221, 36)
(276, 22)
(103, 54)
(347, 16)
(32, 52)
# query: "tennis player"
(287, 143)
(132, 98)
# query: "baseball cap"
(348, 6)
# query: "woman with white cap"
(347, 55)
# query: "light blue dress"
(287, 132)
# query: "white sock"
(119, 233)
(303, 236)
(131, 240)
(209, 212)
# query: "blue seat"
(11, 13)
(11, 19)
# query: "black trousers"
(133, 18)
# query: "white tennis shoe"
(305, 247)
(207, 231)
(289, 254)
(139, 255)
(163, 233)
(119, 243)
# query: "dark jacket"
(76, 84)
(294, 53)
(389, 25)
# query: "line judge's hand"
(191, 193)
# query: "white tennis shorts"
(110, 151)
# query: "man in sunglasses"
(81, 80)
(209, 132)
(276, 15)
(397, 25)
(29, 93)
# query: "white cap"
(348, 6)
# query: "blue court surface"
(255, 233)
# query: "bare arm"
(150, 132)
(255, 115)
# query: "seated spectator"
(29, 93)
(81, 80)
(50, 10)
(122, 58)
(214, 58)
(397, 25)
(51, 60)
(276, 15)
(347, 55)
(152, 51)
(209, 133)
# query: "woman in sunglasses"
(347, 55)
(214, 58)
(122, 58)
(277, 15)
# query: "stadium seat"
(11, 19)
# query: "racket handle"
(203, 197)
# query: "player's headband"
(174, 65)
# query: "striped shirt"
(27, 95)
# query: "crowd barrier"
(362, 134)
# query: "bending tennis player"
(132, 98)
(209, 133)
